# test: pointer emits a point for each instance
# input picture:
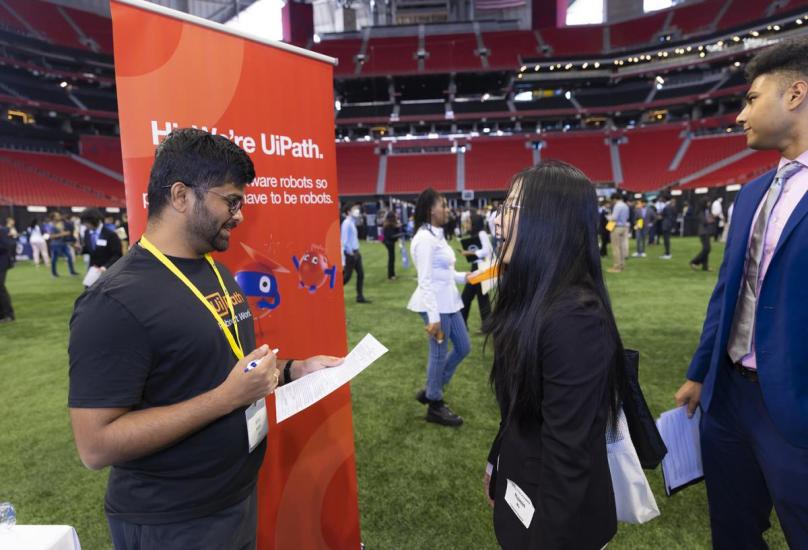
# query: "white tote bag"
(632, 494)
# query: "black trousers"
(391, 258)
(353, 262)
(5, 299)
(605, 239)
(666, 238)
(469, 292)
(233, 528)
(703, 257)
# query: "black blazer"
(8, 250)
(107, 249)
(560, 460)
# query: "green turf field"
(419, 484)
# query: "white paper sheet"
(487, 284)
(292, 398)
(682, 464)
(93, 274)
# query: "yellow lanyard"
(235, 344)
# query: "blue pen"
(252, 364)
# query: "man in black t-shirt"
(157, 389)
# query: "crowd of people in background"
(99, 239)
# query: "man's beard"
(207, 231)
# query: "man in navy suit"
(750, 371)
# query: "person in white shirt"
(438, 302)
(484, 253)
(717, 211)
(39, 244)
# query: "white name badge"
(101, 242)
(520, 503)
(257, 423)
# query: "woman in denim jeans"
(438, 301)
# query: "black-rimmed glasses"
(234, 204)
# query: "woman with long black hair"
(558, 367)
(438, 302)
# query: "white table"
(39, 537)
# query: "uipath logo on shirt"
(220, 304)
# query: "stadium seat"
(411, 174)
(357, 168)
(647, 154)
(586, 150)
(451, 52)
(46, 19)
(62, 167)
(491, 162)
(636, 33)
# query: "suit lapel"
(796, 217)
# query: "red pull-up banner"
(276, 102)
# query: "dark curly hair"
(200, 160)
(789, 56)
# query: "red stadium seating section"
(451, 52)
(490, 163)
(646, 156)
(391, 55)
(572, 41)
(742, 11)
(636, 32)
(71, 170)
(103, 150)
(54, 180)
(740, 171)
(94, 26)
(45, 17)
(698, 17)
(586, 150)
(48, 21)
(343, 50)
(411, 174)
(357, 169)
(8, 20)
(506, 49)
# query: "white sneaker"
(643, 255)
(665, 257)
(636, 255)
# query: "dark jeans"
(353, 262)
(61, 249)
(5, 299)
(469, 292)
(748, 467)
(703, 257)
(391, 258)
(233, 528)
(666, 238)
(641, 236)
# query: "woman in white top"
(438, 302)
(485, 252)
(39, 246)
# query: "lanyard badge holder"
(256, 414)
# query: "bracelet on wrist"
(287, 371)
